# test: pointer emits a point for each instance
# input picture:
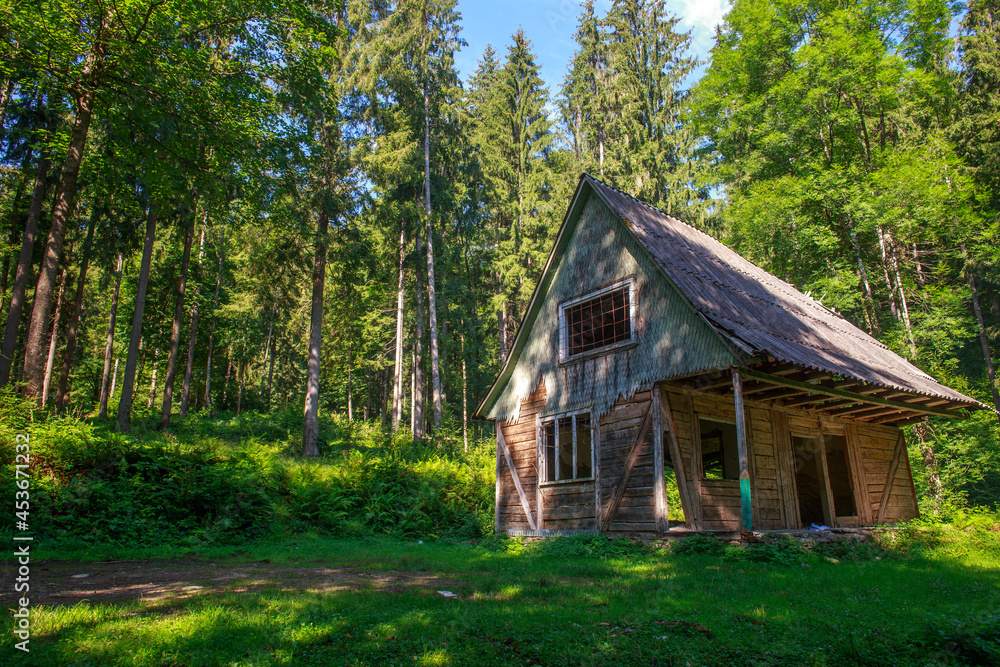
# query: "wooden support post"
(790, 517)
(687, 490)
(826, 494)
(746, 502)
(697, 465)
(897, 456)
(853, 442)
(595, 438)
(542, 474)
(496, 518)
(659, 481)
(633, 456)
(517, 480)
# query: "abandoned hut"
(650, 346)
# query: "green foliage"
(702, 543)
(241, 484)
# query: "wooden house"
(649, 345)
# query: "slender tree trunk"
(241, 374)
(69, 356)
(465, 398)
(211, 330)
(885, 271)
(125, 404)
(53, 339)
(114, 379)
(397, 374)
(270, 372)
(431, 289)
(109, 344)
(350, 388)
(175, 327)
(418, 352)
(16, 236)
(65, 197)
(894, 256)
(983, 341)
(17, 297)
(267, 351)
(152, 383)
(920, 267)
(193, 336)
(8, 89)
(310, 429)
(225, 384)
(502, 332)
(413, 391)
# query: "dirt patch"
(64, 583)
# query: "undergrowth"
(231, 480)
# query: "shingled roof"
(758, 314)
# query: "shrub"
(700, 543)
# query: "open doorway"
(809, 482)
(675, 511)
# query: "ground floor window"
(567, 448)
(720, 457)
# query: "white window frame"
(564, 355)
(543, 466)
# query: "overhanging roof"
(752, 310)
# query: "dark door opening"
(808, 480)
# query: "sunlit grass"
(532, 604)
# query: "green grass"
(932, 600)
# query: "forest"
(302, 207)
(261, 261)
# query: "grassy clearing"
(930, 600)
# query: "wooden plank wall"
(877, 445)
(572, 505)
(619, 429)
(521, 439)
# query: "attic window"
(598, 320)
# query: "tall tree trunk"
(193, 336)
(885, 271)
(225, 384)
(128, 380)
(397, 374)
(418, 352)
(114, 379)
(465, 397)
(69, 355)
(109, 344)
(152, 383)
(310, 428)
(175, 327)
(983, 341)
(270, 372)
(53, 339)
(65, 197)
(904, 308)
(267, 351)
(241, 374)
(350, 388)
(431, 289)
(502, 332)
(17, 297)
(211, 330)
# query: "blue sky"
(550, 25)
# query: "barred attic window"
(598, 322)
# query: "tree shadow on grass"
(545, 611)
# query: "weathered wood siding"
(619, 429)
(521, 440)
(877, 446)
(671, 339)
(715, 502)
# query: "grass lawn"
(561, 602)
